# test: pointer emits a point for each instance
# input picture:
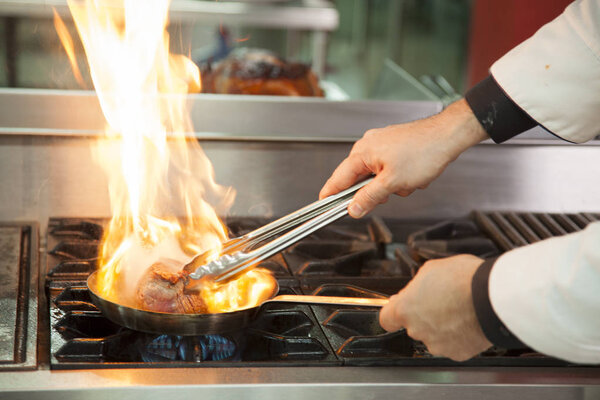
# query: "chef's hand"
(404, 157)
(436, 307)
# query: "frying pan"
(204, 324)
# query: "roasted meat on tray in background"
(249, 71)
(161, 290)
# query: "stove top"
(18, 296)
(373, 258)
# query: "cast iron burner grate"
(511, 230)
(18, 295)
(82, 338)
(349, 258)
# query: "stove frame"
(347, 258)
(46, 170)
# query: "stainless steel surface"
(312, 15)
(42, 175)
(300, 383)
(56, 176)
(319, 52)
(18, 296)
(202, 324)
(215, 117)
(46, 139)
(240, 253)
(10, 265)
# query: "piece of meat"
(251, 71)
(161, 289)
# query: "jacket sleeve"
(553, 78)
(548, 295)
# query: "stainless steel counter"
(245, 118)
(56, 176)
(18, 296)
(46, 170)
(277, 153)
(347, 383)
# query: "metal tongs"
(238, 254)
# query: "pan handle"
(338, 301)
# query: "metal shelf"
(312, 15)
(317, 16)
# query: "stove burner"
(450, 238)
(76, 250)
(264, 346)
(70, 269)
(349, 258)
(327, 257)
(183, 348)
(84, 230)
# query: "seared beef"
(161, 290)
(250, 71)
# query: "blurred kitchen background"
(361, 49)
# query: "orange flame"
(67, 42)
(244, 39)
(155, 174)
(253, 288)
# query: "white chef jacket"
(548, 293)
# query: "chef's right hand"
(404, 157)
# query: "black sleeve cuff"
(492, 327)
(501, 117)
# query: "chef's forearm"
(459, 128)
(547, 294)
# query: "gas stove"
(47, 171)
(373, 258)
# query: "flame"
(255, 287)
(243, 39)
(155, 173)
(67, 42)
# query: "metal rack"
(316, 16)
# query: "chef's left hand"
(436, 307)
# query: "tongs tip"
(238, 255)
